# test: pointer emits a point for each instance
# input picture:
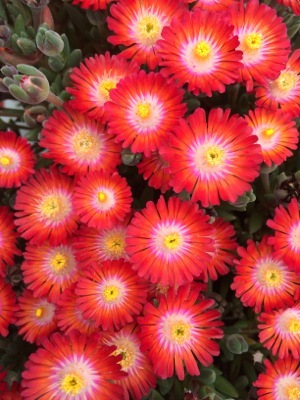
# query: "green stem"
(56, 101)
(10, 112)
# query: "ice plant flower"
(293, 4)
(138, 25)
(280, 381)
(8, 237)
(140, 378)
(142, 111)
(35, 318)
(214, 5)
(92, 81)
(180, 331)
(8, 306)
(277, 134)
(69, 317)
(169, 243)
(44, 208)
(102, 199)
(155, 169)
(16, 160)
(213, 158)
(263, 281)
(200, 49)
(74, 367)
(49, 270)
(263, 40)
(280, 331)
(283, 92)
(286, 242)
(93, 4)
(111, 294)
(79, 144)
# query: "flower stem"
(56, 101)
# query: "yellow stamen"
(5, 161)
(293, 393)
(127, 350)
(59, 262)
(105, 86)
(52, 206)
(149, 29)
(294, 326)
(111, 293)
(172, 241)
(84, 143)
(115, 244)
(202, 50)
(253, 41)
(180, 332)
(286, 81)
(272, 277)
(39, 312)
(269, 132)
(143, 110)
(214, 156)
(102, 197)
(72, 384)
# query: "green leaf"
(19, 24)
(74, 58)
(165, 385)
(256, 221)
(236, 344)
(225, 387)
(29, 70)
(293, 30)
(207, 376)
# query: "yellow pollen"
(293, 393)
(143, 110)
(102, 196)
(268, 132)
(72, 384)
(128, 356)
(286, 81)
(272, 277)
(149, 29)
(214, 156)
(52, 206)
(39, 312)
(5, 161)
(105, 86)
(180, 332)
(115, 243)
(84, 143)
(111, 293)
(294, 326)
(202, 50)
(172, 241)
(59, 262)
(253, 41)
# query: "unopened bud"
(5, 33)
(35, 115)
(27, 46)
(242, 201)
(49, 42)
(129, 158)
(36, 87)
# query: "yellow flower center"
(59, 262)
(111, 293)
(53, 206)
(143, 110)
(149, 29)
(127, 350)
(84, 143)
(39, 312)
(72, 384)
(286, 81)
(269, 132)
(102, 197)
(180, 332)
(115, 244)
(5, 161)
(172, 241)
(214, 156)
(294, 326)
(105, 86)
(202, 50)
(293, 393)
(253, 41)
(272, 277)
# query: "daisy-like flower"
(72, 367)
(280, 381)
(214, 159)
(277, 134)
(96, 245)
(286, 242)
(93, 80)
(263, 40)
(8, 238)
(48, 270)
(155, 169)
(214, 5)
(93, 4)
(224, 250)
(284, 92)
(142, 111)
(35, 318)
(102, 199)
(263, 280)
(111, 294)
(140, 378)
(78, 143)
(168, 243)
(16, 160)
(180, 331)
(280, 331)
(138, 25)
(8, 307)
(68, 315)
(293, 4)
(200, 49)
(45, 208)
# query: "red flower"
(8, 307)
(293, 4)
(73, 366)
(102, 199)
(169, 243)
(214, 5)
(111, 294)
(44, 208)
(142, 111)
(16, 160)
(200, 50)
(94, 4)
(155, 168)
(93, 80)
(180, 331)
(213, 159)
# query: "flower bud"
(49, 42)
(5, 33)
(129, 158)
(36, 87)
